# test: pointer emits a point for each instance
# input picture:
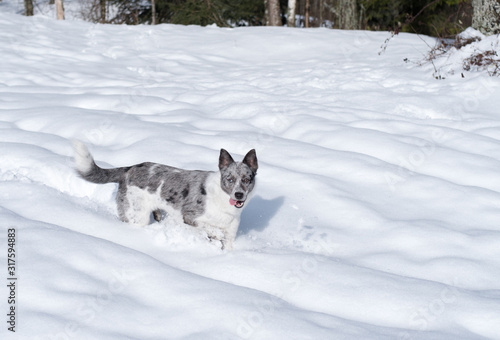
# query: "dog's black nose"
(239, 195)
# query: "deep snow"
(376, 214)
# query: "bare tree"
(348, 16)
(308, 12)
(273, 15)
(28, 8)
(153, 12)
(344, 14)
(60, 9)
(292, 8)
(103, 11)
(321, 9)
(486, 16)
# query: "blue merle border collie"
(211, 200)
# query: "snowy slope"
(377, 212)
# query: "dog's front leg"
(214, 234)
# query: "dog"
(212, 200)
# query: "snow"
(376, 214)
(471, 50)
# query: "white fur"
(220, 219)
(142, 202)
(219, 215)
(83, 158)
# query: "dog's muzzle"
(237, 204)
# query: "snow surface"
(377, 210)
(475, 52)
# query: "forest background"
(441, 18)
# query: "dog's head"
(238, 178)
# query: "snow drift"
(376, 215)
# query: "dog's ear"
(225, 159)
(251, 160)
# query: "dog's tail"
(88, 170)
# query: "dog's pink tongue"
(231, 201)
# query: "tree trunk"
(292, 8)
(273, 13)
(102, 6)
(153, 12)
(348, 15)
(486, 16)
(28, 8)
(321, 10)
(60, 9)
(308, 9)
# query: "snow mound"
(471, 51)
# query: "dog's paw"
(216, 242)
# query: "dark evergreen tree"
(437, 18)
(191, 12)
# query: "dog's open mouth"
(237, 204)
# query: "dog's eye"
(230, 179)
(245, 180)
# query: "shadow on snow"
(259, 213)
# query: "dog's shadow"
(259, 213)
